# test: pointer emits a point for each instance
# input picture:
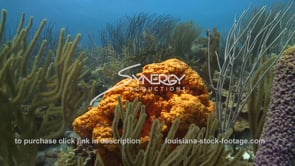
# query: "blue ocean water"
(91, 16)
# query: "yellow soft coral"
(169, 90)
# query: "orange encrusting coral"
(186, 97)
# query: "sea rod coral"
(187, 99)
(38, 94)
(156, 152)
(279, 129)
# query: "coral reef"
(278, 132)
(183, 36)
(39, 96)
(187, 99)
(128, 123)
(209, 53)
(139, 33)
(259, 100)
(239, 61)
(79, 155)
(146, 39)
(285, 22)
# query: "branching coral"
(211, 52)
(128, 124)
(187, 100)
(286, 23)
(237, 58)
(39, 97)
(279, 130)
(146, 39)
(130, 32)
(183, 36)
